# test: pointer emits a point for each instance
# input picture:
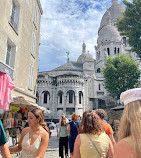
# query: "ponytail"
(45, 126)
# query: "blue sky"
(65, 25)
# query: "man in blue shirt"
(3, 143)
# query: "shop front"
(13, 121)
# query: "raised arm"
(77, 143)
(5, 151)
(68, 129)
(110, 153)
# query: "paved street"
(53, 147)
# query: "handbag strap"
(94, 146)
(76, 127)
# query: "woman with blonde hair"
(93, 141)
(129, 134)
(63, 138)
(34, 139)
(73, 130)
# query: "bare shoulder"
(123, 149)
(44, 133)
(25, 131)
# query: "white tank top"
(30, 151)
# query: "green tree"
(120, 73)
(130, 25)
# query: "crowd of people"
(88, 137)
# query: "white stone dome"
(111, 15)
(85, 57)
(109, 33)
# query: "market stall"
(13, 109)
(13, 119)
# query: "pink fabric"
(6, 87)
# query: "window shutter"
(31, 70)
(33, 43)
(35, 16)
(29, 77)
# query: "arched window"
(124, 41)
(98, 70)
(70, 97)
(80, 97)
(108, 51)
(99, 86)
(45, 97)
(118, 50)
(60, 97)
(115, 50)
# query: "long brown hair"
(130, 125)
(91, 123)
(39, 114)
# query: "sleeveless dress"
(30, 151)
(73, 134)
(87, 150)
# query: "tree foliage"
(120, 73)
(130, 25)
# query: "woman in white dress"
(34, 139)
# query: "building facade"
(19, 44)
(78, 86)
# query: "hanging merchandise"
(23, 110)
(6, 87)
(14, 108)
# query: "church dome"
(109, 33)
(111, 15)
(85, 57)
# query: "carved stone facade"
(78, 86)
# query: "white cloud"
(65, 25)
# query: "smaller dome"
(109, 33)
(85, 57)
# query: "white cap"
(130, 95)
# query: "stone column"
(76, 103)
(65, 103)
